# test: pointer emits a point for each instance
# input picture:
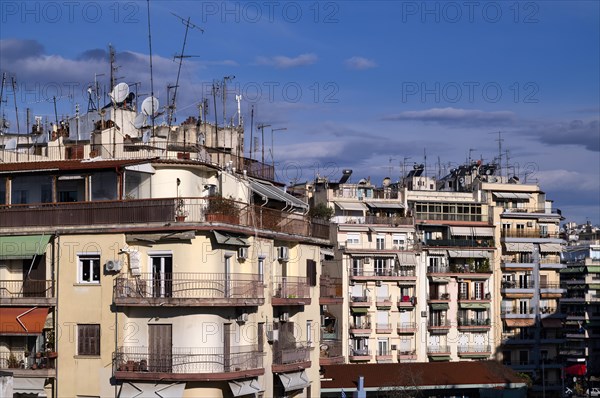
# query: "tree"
(321, 211)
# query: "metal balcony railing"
(474, 348)
(440, 349)
(294, 353)
(360, 352)
(330, 287)
(16, 289)
(439, 296)
(474, 322)
(407, 326)
(189, 286)
(291, 287)
(474, 297)
(439, 323)
(408, 271)
(188, 360)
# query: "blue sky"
(355, 83)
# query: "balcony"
(384, 356)
(160, 211)
(551, 290)
(392, 221)
(24, 364)
(383, 302)
(528, 233)
(189, 290)
(295, 356)
(474, 298)
(362, 328)
(330, 352)
(474, 351)
(516, 263)
(402, 274)
(459, 243)
(188, 364)
(406, 328)
(360, 355)
(512, 289)
(383, 328)
(438, 350)
(331, 290)
(290, 290)
(407, 302)
(407, 355)
(360, 301)
(439, 326)
(517, 312)
(438, 298)
(29, 292)
(474, 324)
(576, 298)
(439, 269)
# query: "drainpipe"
(55, 276)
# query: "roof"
(453, 374)
(69, 165)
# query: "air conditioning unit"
(242, 253)
(394, 347)
(530, 224)
(272, 335)
(377, 283)
(243, 317)
(284, 317)
(351, 283)
(113, 266)
(367, 260)
(423, 314)
(283, 253)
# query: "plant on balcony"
(180, 211)
(222, 209)
(483, 266)
(321, 211)
(13, 363)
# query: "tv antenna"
(181, 56)
(390, 167)
(224, 94)
(469, 158)
(499, 151)
(261, 127)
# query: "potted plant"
(180, 211)
(222, 209)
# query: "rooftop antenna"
(261, 127)
(404, 166)
(390, 167)
(97, 88)
(224, 94)
(14, 87)
(238, 99)
(500, 152)
(151, 73)
(251, 129)
(188, 25)
(470, 151)
(3, 120)
(215, 90)
(136, 85)
(425, 162)
(439, 164)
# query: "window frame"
(94, 347)
(89, 257)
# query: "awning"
(385, 205)
(518, 246)
(244, 387)
(474, 306)
(23, 247)
(468, 254)
(351, 206)
(551, 323)
(439, 358)
(359, 310)
(153, 238)
(594, 269)
(142, 390)
(29, 385)
(550, 247)
(294, 381)
(512, 195)
(141, 168)
(519, 322)
(227, 239)
(576, 370)
(437, 252)
(326, 251)
(440, 279)
(268, 191)
(439, 306)
(407, 259)
(472, 231)
(574, 270)
(19, 321)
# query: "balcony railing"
(188, 360)
(474, 297)
(439, 297)
(159, 211)
(474, 322)
(406, 327)
(291, 287)
(439, 269)
(18, 289)
(517, 310)
(440, 349)
(528, 233)
(383, 327)
(360, 325)
(395, 221)
(474, 348)
(330, 348)
(360, 353)
(530, 209)
(408, 271)
(459, 243)
(190, 288)
(442, 324)
(331, 288)
(296, 353)
(359, 299)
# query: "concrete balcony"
(407, 302)
(383, 302)
(383, 328)
(27, 293)
(406, 328)
(362, 355)
(439, 326)
(438, 298)
(189, 290)
(384, 356)
(330, 352)
(294, 357)
(384, 275)
(290, 290)
(407, 355)
(440, 350)
(360, 301)
(22, 364)
(512, 289)
(474, 351)
(188, 364)
(474, 325)
(360, 329)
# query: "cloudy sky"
(363, 85)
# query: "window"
(89, 269)
(357, 269)
(88, 340)
(380, 242)
(398, 241)
(353, 238)
(381, 266)
(261, 269)
(309, 338)
(523, 357)
(311, 272)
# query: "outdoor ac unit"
(243, 317)
(283, 253)
(367, 260)
(284, 317)
(377, 283)
(113, 266)
(530, 224)
(394, 347)
(272, 335)
(242, 253)
(423, 314)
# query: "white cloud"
(284, 62)
(456, 117)
(360, 63)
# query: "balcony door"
(160, 342)
(34, 277)
(162, 275)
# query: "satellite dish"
(11, 144)
(139, 121)
(148, 105)
(120, 92)
(146, 137)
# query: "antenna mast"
(261, 127)
(251, 129)
(151, 73)
(14, 87)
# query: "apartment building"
(136, 262)
(581, 303)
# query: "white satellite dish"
(146, 137)
(11, 144)
(150, 106)
(139, 121)
(120, 92)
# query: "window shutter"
(311, 272)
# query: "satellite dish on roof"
(11, 144)
(150, 106)
(120, 92)
(139, 121)
(146, 137)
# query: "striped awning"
(472, 231)
(439, 306)
(512, 195)
(550, 247)
(23, 247)
(468, 254)
(519, 322)
(351, 206)
(518, 247)
(407, 259)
